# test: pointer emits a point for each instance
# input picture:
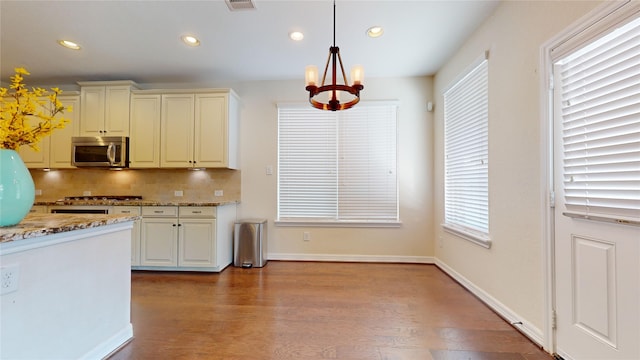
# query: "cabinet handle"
(173, 225)
(158, 212)
(196, 212)
(126, 211)
(179, 224)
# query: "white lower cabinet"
(196, 242)
(135, 232)
(186, 238)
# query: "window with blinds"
(600, 109)
(466, 136)
(337, 166)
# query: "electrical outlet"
(269, 170)
(38, 192)
(9, 276)
(218, 193)
(440, 241)
(86, 193)
(306, 236)
(178, 193)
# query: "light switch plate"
(218, 193)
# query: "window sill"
(333, 223)
(470, 235)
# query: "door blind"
(466, 152)
(600, 107)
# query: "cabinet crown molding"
(185, 91)
(109, 83)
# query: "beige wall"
(512, 270)
(411, 242)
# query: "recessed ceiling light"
(296, 35)
(191, 40)
(375, 31)
(69, 44)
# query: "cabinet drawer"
(198, 211)
(130, 210)
(160, 211)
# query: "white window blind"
(337, 166)
(466, 154)
(600, 107)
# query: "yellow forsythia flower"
(27, 116)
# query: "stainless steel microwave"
(104, 152)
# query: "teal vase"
(17, 191)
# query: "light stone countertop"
(35, 225)
(132, 203)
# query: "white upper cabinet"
(210, 140)
(144, 142)
(55, 150)
(176, 131)
(199, 129)
(105, 107)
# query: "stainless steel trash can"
(249, 243)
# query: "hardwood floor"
(317, 310)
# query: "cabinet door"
(176, 131)
(92, 110)
(60, 147)
(144, 144)
(196, 242)
(36, 159)
(116, 110)
(158, 243)
(210, 137)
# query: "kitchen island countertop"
(36, 225)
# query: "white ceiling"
(140, 40)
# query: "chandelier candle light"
(334, 89)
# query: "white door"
(597, 213)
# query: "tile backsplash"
(152, 184)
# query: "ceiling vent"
(240, 5)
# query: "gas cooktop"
(103, 197)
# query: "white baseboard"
(525, 327)
(352, 258)
(111, 344)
